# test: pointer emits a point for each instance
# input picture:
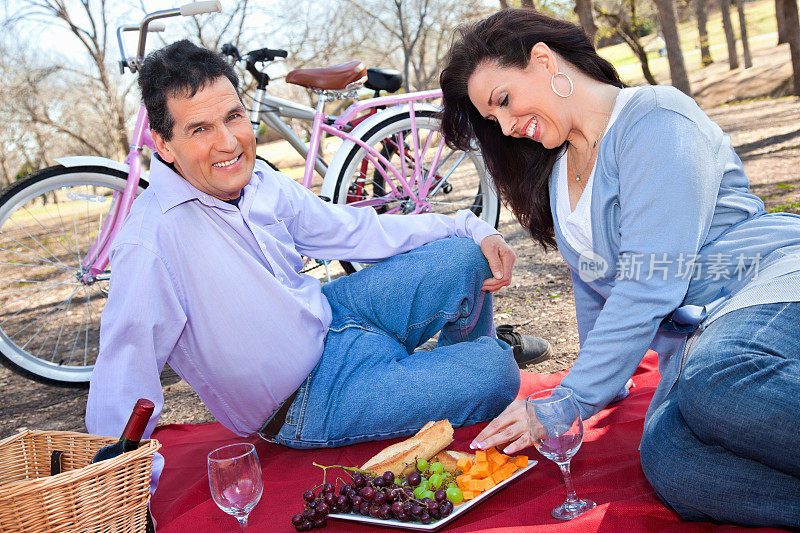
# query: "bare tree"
(626, 20)
(730, 36)
(585, 12)
(88, 22)
(748, 60)
(669, 26)
(702, 22)
(46, 110)
(417, 31)
(781, 23)
(792, 26)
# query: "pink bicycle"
(56, 226)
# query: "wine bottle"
(131, 435)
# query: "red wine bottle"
(132, 433)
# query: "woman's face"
(521, 100)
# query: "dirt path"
(540, 300)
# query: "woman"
(648, 203)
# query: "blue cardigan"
(674, 226)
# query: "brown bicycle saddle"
(332, 78)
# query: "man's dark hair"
(179, 69)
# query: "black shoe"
(528, 350)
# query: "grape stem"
(348, 468)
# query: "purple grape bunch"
(384, 497)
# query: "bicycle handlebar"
(198, 8)
(229, 49)
(154, 27)
(148, 24)
(265, 54)
(261, 55)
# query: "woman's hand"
(512, 425)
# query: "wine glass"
(557, 411)
(234, 475)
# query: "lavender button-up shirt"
(215, 292)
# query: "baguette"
(401, 458)
(449, 458)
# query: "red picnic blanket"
(606, 469)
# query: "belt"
(273, 426)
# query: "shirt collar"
(171, 189)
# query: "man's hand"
(501, 261)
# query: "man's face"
(213, 146)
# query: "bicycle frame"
(340, 128)
(96, 259)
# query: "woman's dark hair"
(178, 69)
(520, 167)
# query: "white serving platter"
(436, 524)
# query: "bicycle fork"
(94, 264)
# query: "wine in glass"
(556, 411)
(234, 475)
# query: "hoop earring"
(553, 85)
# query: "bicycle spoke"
(34, 281)
(47, 230)
(54, 284)
(459, 202)
(31, 324)
(75, 248)
(24, 346)
(24, 308)
(37, 242)
(78, 336)
(50, 331)
(55, 265)
(61, 329)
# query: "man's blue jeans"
(724, 445)
(370, 384)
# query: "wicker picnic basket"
(108, 496)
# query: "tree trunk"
(730, 37)
(748, 60)
(632, 40)
(583, 8)
(504, 4)
(793, 36)
(527, 3)
(677, 67)
(702, 22)
(781, 23)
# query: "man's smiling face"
(212, 146)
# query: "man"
(206, 277)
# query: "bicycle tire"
(40, 258)
(470, 184)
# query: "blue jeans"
(370, 384)
(724, 444)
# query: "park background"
(61, 94)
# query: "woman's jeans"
(370, 383)
(724, 445)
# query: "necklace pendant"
(577, 178)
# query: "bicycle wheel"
(49, 318)
(459, 181)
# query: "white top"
(577, 225)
